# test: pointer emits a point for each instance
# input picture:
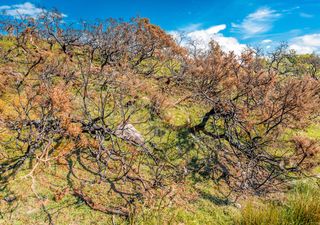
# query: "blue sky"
(233, 23)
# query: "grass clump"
(301, 206)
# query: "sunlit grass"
(302, 206)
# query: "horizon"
(263, 24)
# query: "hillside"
(115, 123)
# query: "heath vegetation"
(114, 122)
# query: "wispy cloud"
(257, 22)
(191, 27)
(4, 7)
(306, 15)
(26, 9)
(306, 44)
(202, 37)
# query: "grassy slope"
(300, 205)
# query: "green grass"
(203, 205)
(301, 206)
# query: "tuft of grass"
(259, 214)
(302, 207)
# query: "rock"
(129, 132)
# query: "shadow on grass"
(214, 199)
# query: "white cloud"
(258, 22)
(25, 9)
(202, 37)
(266, 41)
(306, 44)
